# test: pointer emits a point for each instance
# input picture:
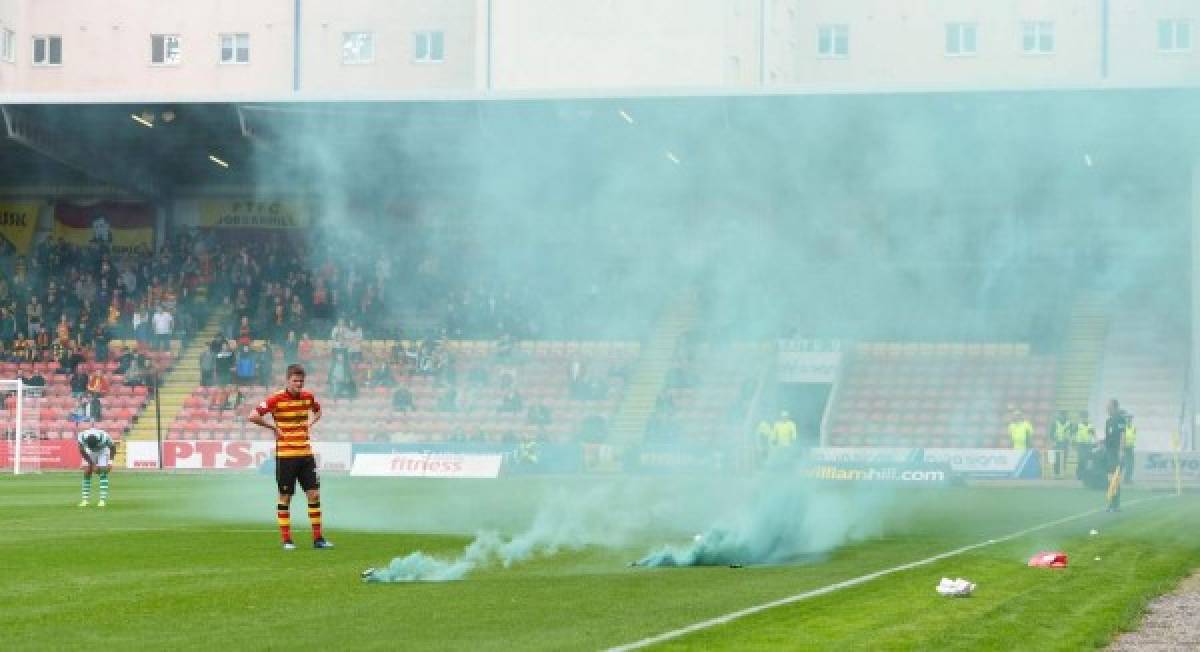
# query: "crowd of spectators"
(65, 303)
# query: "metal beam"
(26, 131)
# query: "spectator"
(354, 341)
(62, 332)
(8, 325)
(784, 431)
(79, 383)
(164, 326)
(244, 334)
(380, 375)
(141, 325)
(340, 336)
(100, 338)
(304, 349)
(33, 316)
(36, 380)
(341, 377)
(73, 359)
(208, 365)
(246, 365)
(224, 365)
(98, 384)
(141, 372)
(511, 402)
(88, 409)
(124, 361)
(291, 348)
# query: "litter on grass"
(1048, 560)
(955, 588)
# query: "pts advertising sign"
(177, 454)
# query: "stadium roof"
(431, 144)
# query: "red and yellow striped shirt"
(291, 414)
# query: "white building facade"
(224, 48)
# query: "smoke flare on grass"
(596, 518)
(787, 521)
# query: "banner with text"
(124, 225)
(988, 462)
(214, 454)
(251, 214)
(427, 465)
(545, 457)
(1159, 468)
(18, 223)
(809, 361)
(45, 453)
(899, 473)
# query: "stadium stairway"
(650, 372)
(1079, 364)
(178, 384)
(1081, 357)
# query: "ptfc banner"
(126, 225)
(252, 214)
(18, 223)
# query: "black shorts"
(290, 469)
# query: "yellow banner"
(249, 214)
(18, 223)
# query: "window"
(8, 45)
(1037, 37)
(235, 48)
(47, 50)
(1174, 35)
(164, 49)
(960, 39)
(358, 47)
(833, 41)
(429, 47)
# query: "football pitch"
(192, 561)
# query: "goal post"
(20, 425)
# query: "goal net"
(20, 427)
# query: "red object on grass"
(1048, 560)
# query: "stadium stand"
(1142, 368)
(120, 403)
(939, 394)
(538, 370)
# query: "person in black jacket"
(1114, 444)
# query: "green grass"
(192, 561)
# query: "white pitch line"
(730, 617)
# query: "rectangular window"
(235, 48)
(1174, 35)
(47, 50)
(164, 49)
(833, 41)
(960, 39)
(8, 45)
(358, 47)
(1037, 37)
(429, 47)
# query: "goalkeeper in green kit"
(97, 450)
